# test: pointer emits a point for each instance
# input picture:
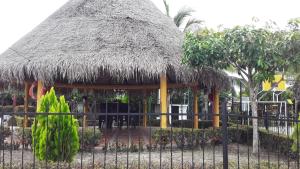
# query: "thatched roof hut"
(103, 42)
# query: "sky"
(18, 17)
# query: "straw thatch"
(102, 41)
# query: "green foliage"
(190, 124)
(25, 136)
(55, 136)
(296, 137)
(256, 53)
(261, 50)
(162, 137)
(4, 132)
(186, 137)
(181, 16)
(122, 98)
(268, 140)
(89, 138)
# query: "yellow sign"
(278, 84)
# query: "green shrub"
(203, 124)
(89, 139)
(183, 123)
(4, 132)
(162, 137)
(279, 143)
(20, 121)
(25, 137)
(153, 122)
(268, 140)
(55, 136)
(242, 134)
(296, 137)
(12, 121)
(186, 138)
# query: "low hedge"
(25, 137)
(4, 132)
(191, 138)
(268, 140)
(186, 138)
(20, 121)
(190, 124)
(89, 138)
(88, 141)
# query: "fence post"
(225, 135)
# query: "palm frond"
(191, 22)
(181, 15)
(167, 8)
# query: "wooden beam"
(26, 101)
(216, 108)
(163, 100)
(85, 110)
(121, 87)
(145, 109)
(196, 108)
(39, 94)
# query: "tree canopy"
(256, 53)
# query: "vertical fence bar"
(47, 141)
(288, 136)
(11, 140)
(248, 148)
(182, 136)
(278, 151)
(171, 136)
(150, 140)
(203, 147)
(238, 141)
(140, 144)
(2, 128)
(225, 135)
(160, 145)
(117, 139)
(105, 132)
(2, 141)
(128, 133)
(34, 143)
(268, 131)
(81, 140)
(94, 128)
(193, 138)
(297, 131)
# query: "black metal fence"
(116, 138)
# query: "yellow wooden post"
(39, 94)
(26, 97)
(145, 109)
(85, 111)
(163, 100)
(216, 109)
(196, 109)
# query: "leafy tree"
(256, 53)
(181, 15)
(55, 136)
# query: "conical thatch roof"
(101, 41)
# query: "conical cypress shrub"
(55, 136)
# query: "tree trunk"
(253, 100)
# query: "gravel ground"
(211, 155)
